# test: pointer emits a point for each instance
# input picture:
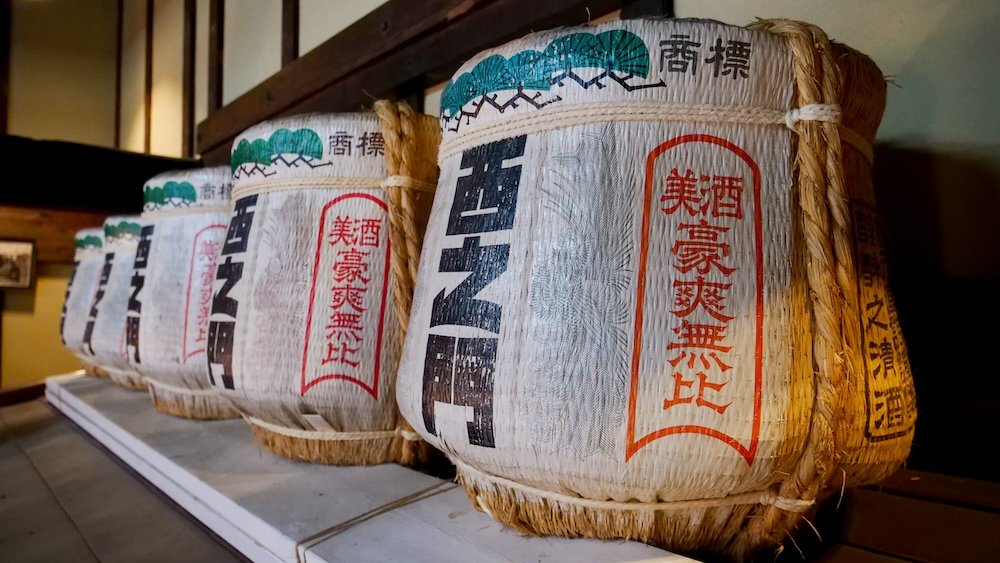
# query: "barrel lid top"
(309, 145)
(89, 238)
(121, 226)
(682, 61)
(180, 189)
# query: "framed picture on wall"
(17, 263)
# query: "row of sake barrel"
(138, 302)
(651, 302)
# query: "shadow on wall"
(942, 212)
(19, 300)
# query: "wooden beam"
(52, 230)
(118, 73)
(5, 47)
(216, 25)
(388, 47)
(21, 394)
(120, 192)
(148, 92)
(946, 489)
(919, 530)
(647, 9)
(847, 554)
(289, 31)
(187, 82)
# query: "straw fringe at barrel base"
(645, 308)
(315, 278)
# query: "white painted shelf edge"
(242, 529)
(262, 541)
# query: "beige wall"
(133, 86)
(201, 62)
(320, 20)
(31, 349)
(252, 50)
(167, 119)
(62, 70)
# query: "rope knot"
(829, 113)
(409, 183)
(785, 503)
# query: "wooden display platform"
(273, 509)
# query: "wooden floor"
(64, 498)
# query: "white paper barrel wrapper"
(610, 332)
(303, 336)
(104, 334)
(88, 260)
(184, 220)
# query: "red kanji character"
(692, 358)
(339, 354)
(699, 400)
(727, 196)
(351, 266)
(344, 326)
(708, 337)
(702, 251)
(348, 295)
(343, 231)
(369, 232)
(709, 295)
(682, 191)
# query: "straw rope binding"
(584, 114)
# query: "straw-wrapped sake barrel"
(87, 262)
(652, 300)
(184, 219)
(314, 281)
(104, 334)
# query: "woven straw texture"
(104, 335)
(184, 220)
(87, 263)
(315, 277)
(652, 301)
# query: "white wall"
(133, 85)
(252, 50)
(320, 20)
(201, 62)
(167, 119)
(62, 70)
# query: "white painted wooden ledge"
(273, 509)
